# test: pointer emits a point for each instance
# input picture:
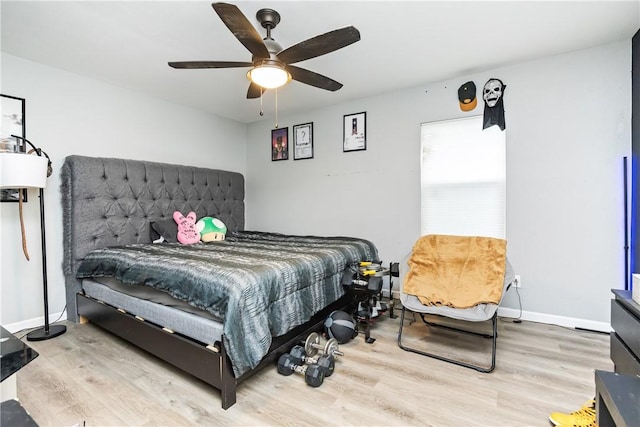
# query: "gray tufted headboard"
(110, 202)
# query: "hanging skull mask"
(492, 92)
(493, 95)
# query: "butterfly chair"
(449, 271)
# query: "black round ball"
(341, 326)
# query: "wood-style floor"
(88, 376)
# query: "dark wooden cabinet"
(618, 393)
(625, 338)
(617, 400)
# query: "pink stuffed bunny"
(187, 234)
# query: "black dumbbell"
(313, 374)
(326, 362)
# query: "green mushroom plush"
(211, 229)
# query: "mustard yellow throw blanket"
(456, 271)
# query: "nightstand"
(15, 355)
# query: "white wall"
(568, 127)
(71, 114)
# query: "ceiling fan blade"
(320, 45)
(241, 29)
(313, 79)
(254, 91)
(209, 64)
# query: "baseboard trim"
(37, 322)
(550, 319)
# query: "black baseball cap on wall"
(467, 96)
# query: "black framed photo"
(13, 123)
(303, 141)
(280, 144)
(354, 132)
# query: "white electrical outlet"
(518, 282)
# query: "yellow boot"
(584, 417)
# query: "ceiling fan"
(270, 64)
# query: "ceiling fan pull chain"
(276, 108)
(261, 108)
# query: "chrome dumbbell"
(313, 344)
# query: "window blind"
(463, 172)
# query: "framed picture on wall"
(280, 144)
(354, 132)
(13, 123)
(303, 141)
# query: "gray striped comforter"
(261, 284)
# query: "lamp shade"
(269, 76)
(18, 170)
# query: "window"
(463, 178)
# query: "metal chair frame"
(479, 368)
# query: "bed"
(220, 311)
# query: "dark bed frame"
(108, 202)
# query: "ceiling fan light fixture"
(269, 75)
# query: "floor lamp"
(18, 171)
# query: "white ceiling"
(403, 44)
